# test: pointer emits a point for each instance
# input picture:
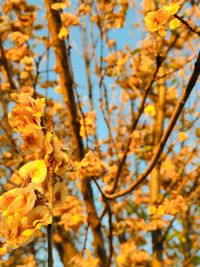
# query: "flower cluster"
(88, 124)
(71, 212)
(87, 261)
(131, 256)
(22, 215)
(91, 166)
(25, 118)
(157, 20)
(24, 210)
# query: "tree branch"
(193, 29)
(166, 134)
(140, 110)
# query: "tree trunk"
(66, 83)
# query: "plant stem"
(50, 244)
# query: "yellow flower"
(88, 124)
(174, 23)
(172, 8)
(63, 33)
(40, 215)
(26, 115)
(160, 210)
(18, 38)
(25, 118)
(33, 142)
(36, 170)
(22, 215)
(21, 200)
(69, 19)
(150, 110)
(58, 6)
(121, 259)
(182, 136)
(7, 198)
(152, 210)
(91, 166)
(156, 20)
(54, 146)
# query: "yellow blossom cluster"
(18, 38)
(78, 261)
(24, 210)
(71, 212)
(90, 166)
(22, 215)
(68, 20)
(88, 124)
(131, 256)
(156, 20)
(171, 207)
(25, 118)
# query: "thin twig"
(164, 235)
(177, 178)
(83, 117)
(50, 184)
(193, 29)
(175, 70)
(110, 236)
(86, 235)
(50, 244)
(188, 260)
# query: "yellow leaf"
(36, 170)
(63, 33)
(174, 23)
(182, 136)
(58, 6)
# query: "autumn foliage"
(99, 133)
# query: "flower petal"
(36, 170)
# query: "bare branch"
(193, 29)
